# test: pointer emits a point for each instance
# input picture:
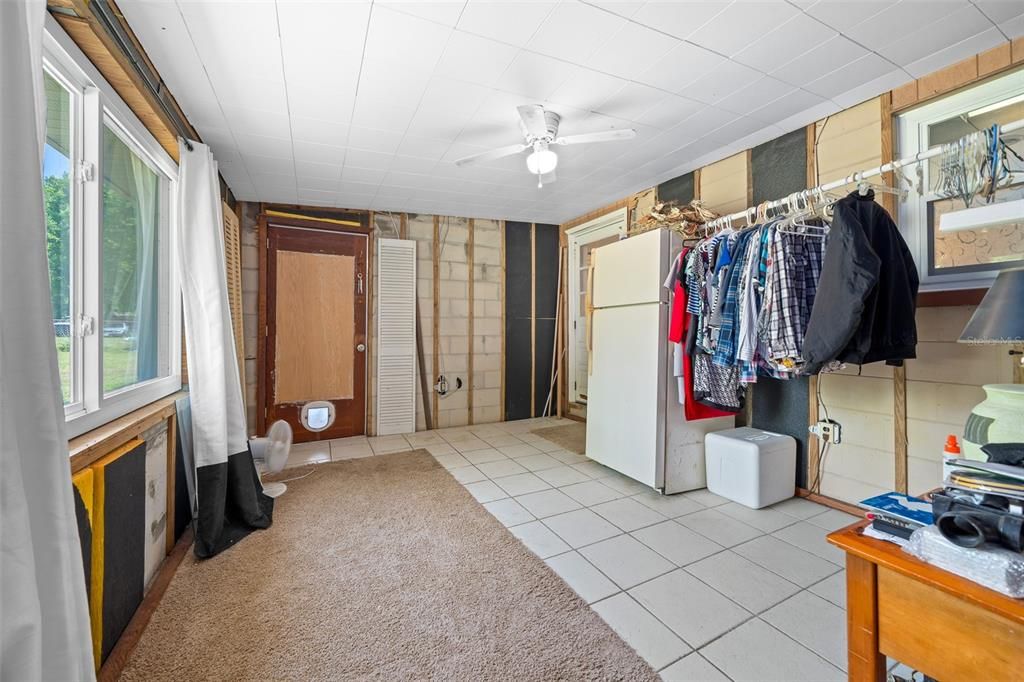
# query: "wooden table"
(948, 627)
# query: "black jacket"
(867, 295)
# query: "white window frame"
(98, 104)
(912, 128)
(608, 225)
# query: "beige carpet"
(383, 567)
(572, 437)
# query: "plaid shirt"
(726, 347)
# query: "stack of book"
(894, 516)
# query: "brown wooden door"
(316, 327)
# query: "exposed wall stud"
(470, 246)
(437, 318)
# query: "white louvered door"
(396, 336)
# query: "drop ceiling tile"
(258, 165)
(309, 33)
(874, 87)
(741, 23)
(276, 147)
(954, 53)
(423, 147)
(373, 140)
(395, 82)
(631, 51)
(680, 19)
(405, 39)
(919, 43)
(734, 130)
(318, 184)
(1013, 28)
(787, 42)
(413, 164)
(444, 12)
(900, 18)
(789, 104)
(830, 55)
(758, 93)
(513, 23)
(631, 102)
(573, 30)
(310, 169)
(474, 59)
(722, 81)
(1000, 11)
(586, 88)
(859, 71)
(313, 197)
(318, 153)
(322, 132)
(844, 14)
(364, 159)
(254, 121)
(677, 70)
(535, 76)
(382, 115)
(371, 176)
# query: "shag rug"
(572, 437)
(384, 568)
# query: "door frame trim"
(264, 222)
(590, 231)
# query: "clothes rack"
(855, 177)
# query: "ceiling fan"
(540, 128)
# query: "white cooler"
(753, 467)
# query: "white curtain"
(146, 302)
(44, 617)
(218, 411)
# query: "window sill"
(92, 445)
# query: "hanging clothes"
(866, 299)
(678, 333)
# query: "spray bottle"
(949, 453)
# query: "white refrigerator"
(635, 422)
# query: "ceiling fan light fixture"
(542, 161)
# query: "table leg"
(865, 662)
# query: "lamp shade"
(542, 161)
(1000, 317)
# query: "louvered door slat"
(396, 336)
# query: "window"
(582, 242)
(108, 188)
(969, 257)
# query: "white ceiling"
(365, 104)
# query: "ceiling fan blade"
(532, 116)
(603, 136)
(491, 155)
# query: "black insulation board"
(779, 167)
(546, 276)
(84, 538)
(679, 189)
(124, 536)
(182, 502)
(518, 310)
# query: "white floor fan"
(271, 454)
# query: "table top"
(852, 540)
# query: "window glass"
(57, 188)
(992, 248)
(130, 278)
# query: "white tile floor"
(702, 588)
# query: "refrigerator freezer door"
(625, 411)
(632, 271)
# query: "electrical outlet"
(828, 430)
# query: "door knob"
(361, 347)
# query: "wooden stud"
(470, 246)
(750, 177)
(813, 444)
(403, 226)
(563, 332)
(93, 445)
(261, 325)
(501, 250)
(899, 376)
(437, 318)
(994, 60)
(172, 460)
(696, 184)
(533, 319)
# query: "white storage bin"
(753, 467)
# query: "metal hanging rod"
(855, 177)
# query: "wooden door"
(316, 291)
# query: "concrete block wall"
(487, 320)
(452, 344)
(421, 229)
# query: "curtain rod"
(857, 176)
